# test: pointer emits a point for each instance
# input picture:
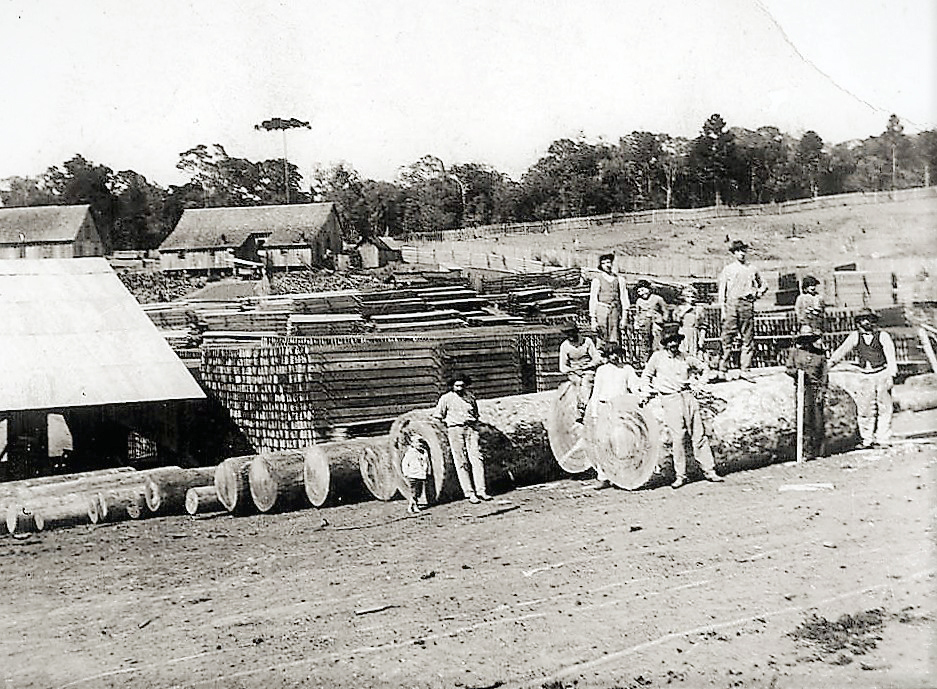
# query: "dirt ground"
(551, 586)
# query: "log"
(64, 511)
(332, 471)
(376, 466)
(624, 440)
(165, 492)
(567, 438)
(202, 499)
(19, 519)
(121, 504)
(443, 484)
(276, 481)
(233, 485)
(13, 487)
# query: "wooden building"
(207, 239)
(79, 350)
(376, 252)
(49, 232)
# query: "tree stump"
(332, 471)
(276, 481)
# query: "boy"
(650, 311)
(809, 307)
(807, 355)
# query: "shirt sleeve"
(564, 358)
(800, 307)
(891, 357)
(721, 287)
(849, 344)
(623, 291)
(650, 370)
(632, 382)
(596, 358)
(442, 407)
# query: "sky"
(384, 82)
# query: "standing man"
(879, 366)
(650, 312)
(739, 287)
(667, 376)
(608, 301)
(578, 360)
(809, 307)
(458, 409)
(807, 355)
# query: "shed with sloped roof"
(49, 232)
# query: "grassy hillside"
(838, 235)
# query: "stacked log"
(202, 499)
(232, 483)
(166, 491)
(276, 481)
(332, 471)
(376, 465)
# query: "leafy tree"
(810, 161)
(26, 191)
(568, 182)
(711, 160)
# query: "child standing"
(808, 355)
(415, 466)
(809, 307)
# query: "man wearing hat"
(739, 287)
(878, 365)
(608, 301)
(650, 312)
(579, 358)
(809, 307)
(667, 377)
(808, 355)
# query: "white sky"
(383, 82)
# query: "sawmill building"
(289, 236)
(48, 232)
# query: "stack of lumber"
(490, 318)
(857, 289)
(238, 320)
(565, 277)
(171, 316)
(540, 363)
(390, 302)
(540, 301)
(286, 393)
(418, 321)
(338, 301)
(491, 359)
(324, 324)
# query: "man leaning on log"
(458, 409)
(667, 378)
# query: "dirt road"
(551, 586)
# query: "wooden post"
(800, 416)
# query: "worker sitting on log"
(809, 308)
(579, 358)
(458, 409)
(808, 355)
(667, 377)
(608, 301)
(612, 379)
(415, 466)
(650, 312)
(878, 365)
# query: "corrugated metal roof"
(73, 336)
(41, 223)
(201, 228)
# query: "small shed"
(77, 344)
(49, 232)
(376, 252)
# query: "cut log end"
(276, 481)
(443, 484)
(202, 500)
(232, 484)
(567, 437)
(377, 472)
(624, 441)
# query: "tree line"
(642, 171)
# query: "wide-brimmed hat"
(606, 257)
(809, 281)
(867, 315)
(671, 337)
(738, 245)
(642, 283)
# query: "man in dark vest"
(608, 301)
(878, 365)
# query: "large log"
(567, 438)
(749, 424)
(232, 483)
(20, 519)
(63, 511)
(375, 463)
(512, 437)
(276, 481)
(165, 492)
(332, 471)
(14, 487)
(624, 440)
(202, 499)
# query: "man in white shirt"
(878, 365)
(667, 377)
(612, 379)
(579, 358)
(608, 301)
(739, 287)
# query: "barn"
(286, 236)
(49, 232)
(376, 252)
(84, 371)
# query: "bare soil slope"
(743, 584)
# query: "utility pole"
(284, 124)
